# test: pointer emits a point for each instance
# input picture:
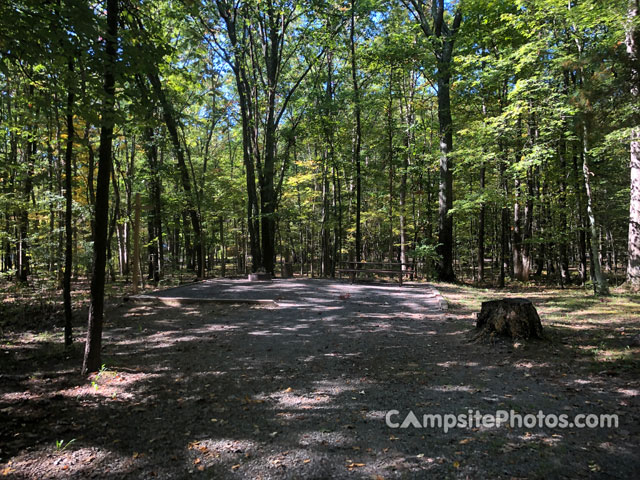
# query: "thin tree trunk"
(565, 275)
(135, 278)
(391, 170)
(600, 282)
(517, 232)
(23, 270)
(504, 229)
(632, 40)
(68, 227)
(92, 357)
(357, 139)
(481, 215)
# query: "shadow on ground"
(301, 391)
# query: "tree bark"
(633, 264)
(135, 278)
(390, 128)
(357, 135)
(68, 227)
(443, 36)
(481, 216)
(409, 120)
(23, 269)
(92, 357)
(445, 196)
(565, 275)
(599, 280)
(155, 218)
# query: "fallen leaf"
(306, 460)
(235, 467)
(456, 464)
(288, 390)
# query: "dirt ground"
(301, 388)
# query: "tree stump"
(516, 318)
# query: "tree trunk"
(518, 265)
(23, 270)
(445, 197)
(390, 156)
(223, 246)
(633, 265)
(409, 120)
(92, 357)
(68, 227)
(357, 138)
(135, 278)
(155, 218)
(565, 275)
(504, 227)
(115, 216)
(481, 215)
(599, 280)
(325, 232)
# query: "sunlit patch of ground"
(601, 327)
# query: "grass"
(598, 329)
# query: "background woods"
(489, 141)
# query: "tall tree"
(68, 220)
(357, 132)
(599, 280)
(441, 33)
(92, 355)
(632, 41)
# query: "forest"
(486, 147)
(485, 140)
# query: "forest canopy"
(479, 140)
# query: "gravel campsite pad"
(300, 388)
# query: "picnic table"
(393, 269)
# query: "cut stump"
(515, 318)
